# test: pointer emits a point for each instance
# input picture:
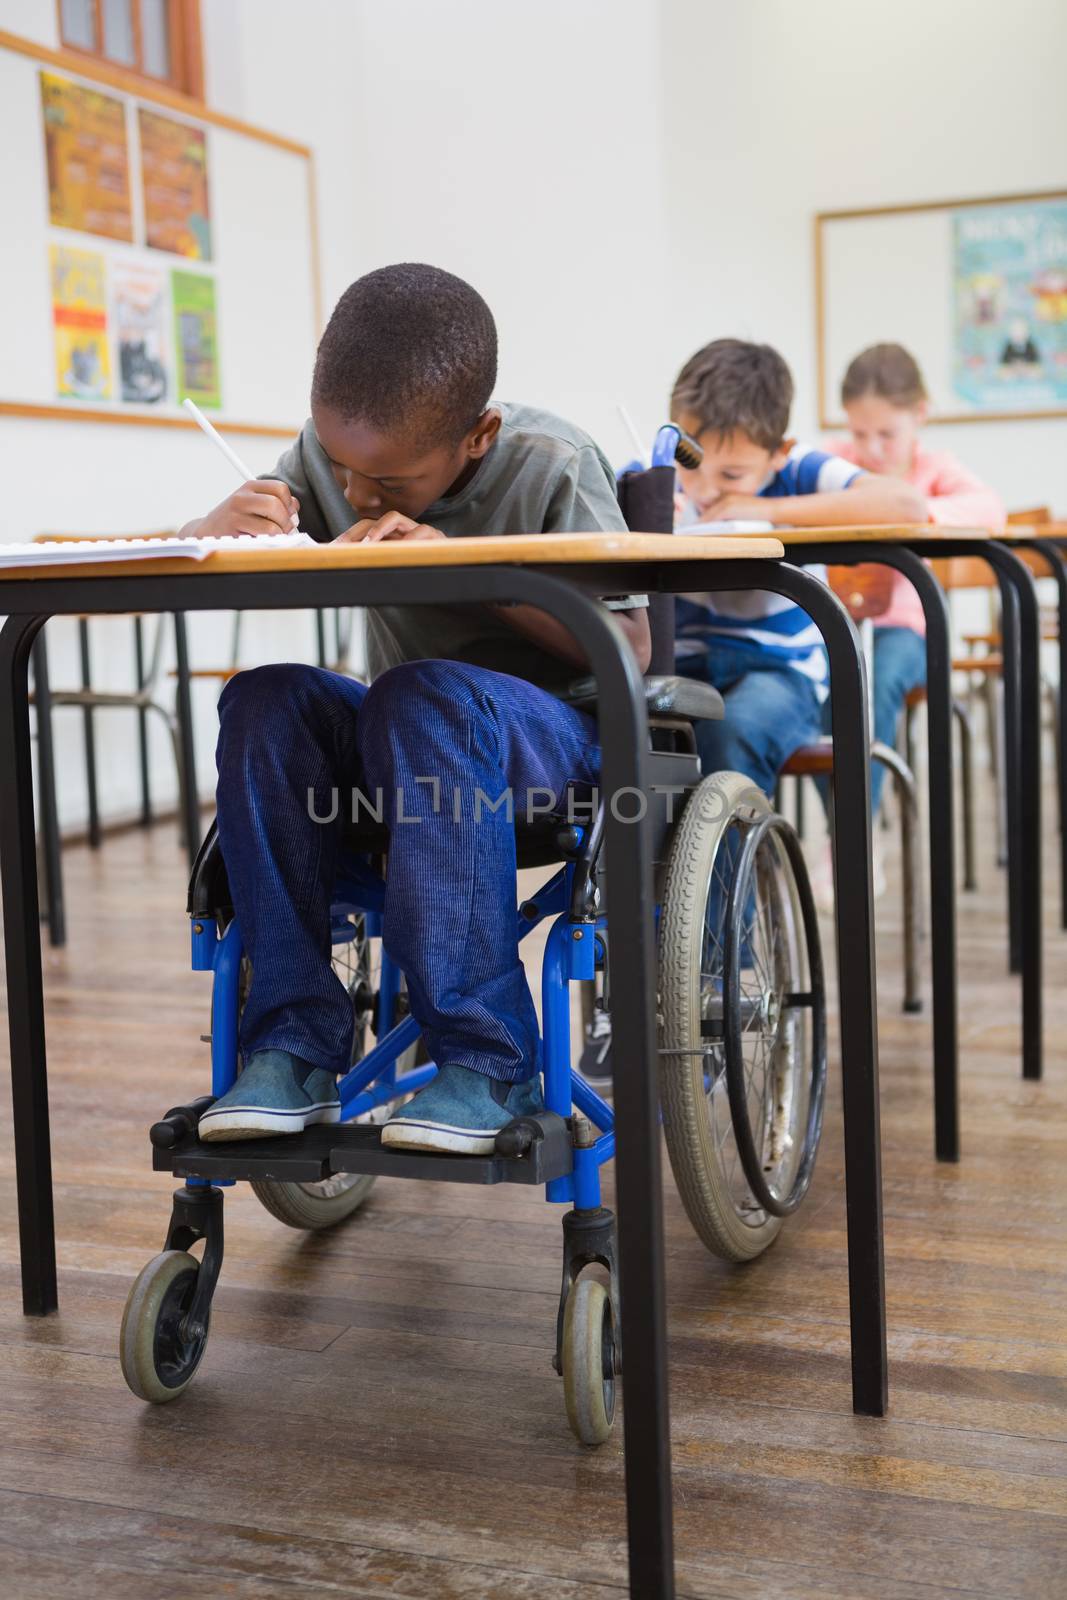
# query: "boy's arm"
(843, 496)
(867, 499)
(584, 501)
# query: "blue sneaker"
(461, 1112)
(276, 1093)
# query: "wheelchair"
(742, 1043)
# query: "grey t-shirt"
(541, 475)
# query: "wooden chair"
(982, 661)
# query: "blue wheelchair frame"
(570, 956)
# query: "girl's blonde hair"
(888, 371)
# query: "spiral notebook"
(76, 552)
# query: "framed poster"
(138, 298)
(106, 332)
(196, 338)
(177, 210)
(88, 162)
(1010, 305)
(79, 318)
(975, 289)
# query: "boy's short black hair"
(410, 350)
(732, 386)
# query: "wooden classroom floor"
(376, 1414)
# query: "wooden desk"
(559, 574)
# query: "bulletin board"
(975, 289)
(151, 249)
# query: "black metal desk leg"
(1012, 712)
(1022, 695)
(1055, 558)
(90, 736)
(638, 1162)
(855, 951)
(859, 1033)
(46, 777)
(25, 991)
(189, 798)
(942, 802)
(1028, 737)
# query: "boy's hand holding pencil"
(261, 505)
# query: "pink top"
(955, 499)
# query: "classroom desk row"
(562, 574)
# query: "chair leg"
(963, 723)
(173, 727)
(46, 778)
(142, 724)
(995, 735)
(90, 736)
(908, 803)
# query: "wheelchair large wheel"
(769, 1053)
(314, 1206)
(159, 1358)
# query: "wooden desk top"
(534, 549)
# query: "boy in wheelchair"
(465, 702)
(281, 909)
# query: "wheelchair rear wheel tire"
(779, 1065)
(315, 1206)
(589, 1360)
(159, 1360)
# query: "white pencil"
(642, 453)
(216, 437)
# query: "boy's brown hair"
(732, 386)
(885, 370)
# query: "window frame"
(184, 47)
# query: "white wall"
(778, 109)
(517, 145)
(623, 179)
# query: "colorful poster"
(138, 298)
(177, 210)
(196, 338)
(1010, 273)
(79, 315)
(88, 164)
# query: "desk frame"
(566, 594)
(942, 816)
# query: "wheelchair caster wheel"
(158, 1353)
(589, 1360)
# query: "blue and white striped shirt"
(752, 618)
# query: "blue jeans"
(771, 711)
(290, 738)
(899, 666)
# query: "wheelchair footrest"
(318, 1152)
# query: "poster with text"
(79, 316)
(88, 162)
(177, 209)
(1010, 276)
(196, 338)
(138, 299)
